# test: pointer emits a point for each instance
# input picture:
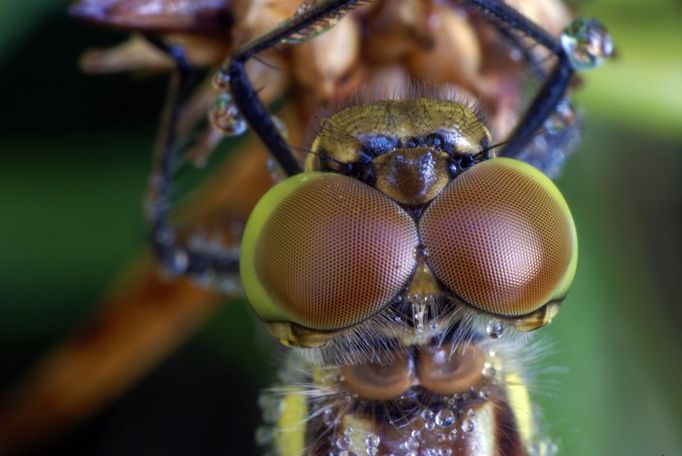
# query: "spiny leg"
(175, 258)
(308, 22)
(305, 24)
(554, 89)
(179, 259)
(556, 84)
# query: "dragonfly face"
(394, 213)
(404, 259)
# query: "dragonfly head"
(402, 218)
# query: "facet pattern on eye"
(335, 252)
(499, 239)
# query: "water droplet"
(264, 400)
(342, 443)
(467, 426)
(427, 415)
(205, 278)
(163, 236)
(272, 411)
(495, 329)
(225, 116)
(544, 447)
(445, 418)
(418, 315)
(562, 119)
(587, 43)
(416, 433)
(488, 371)
(221, 81)
(275, 171)
(228, 285)
(328, 416)
(411, 444)
(429, 425)
(515, 54)
(175, 263)
(372, 442)
(305, 6)
(263, 435)
(452, 436)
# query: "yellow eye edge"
(267, 308)
(548, 185)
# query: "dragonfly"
(406, 257)
(324, 404)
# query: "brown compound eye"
(502, 238)
(326, 251)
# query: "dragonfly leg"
(552, 92)
(306, 23)
(177, 258)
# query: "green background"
(74, 155)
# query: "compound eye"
(502, 238)
(326, 251)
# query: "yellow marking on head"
(262, 301)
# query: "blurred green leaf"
(617, 331)
(76, 216)
(18, 18)
(640, 87)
